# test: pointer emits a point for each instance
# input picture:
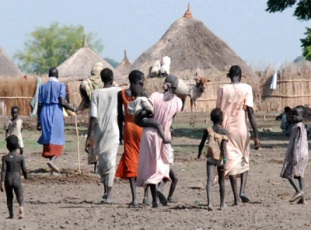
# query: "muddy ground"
(71, 199)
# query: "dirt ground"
(71, 200)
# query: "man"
(103, 132)
(51, 101)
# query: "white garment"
(274, 80)
(15, 128)
(134, 107)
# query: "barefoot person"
(103, 131)
(296, 157)
(215, 157)
(154, 164)
(87, 87)
(14, 127)
(130, 132)
(236, 102)
(12, 165)
(51, 101)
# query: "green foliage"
(306, 44)
(302, 10)
(112, 62)
(51, 46)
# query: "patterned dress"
(297, 150)
(232, 99)
(154, 156)
(128, 165)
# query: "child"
(15, 126)
(142, 110)
(212, 160)
(12, 164)
(296, 158)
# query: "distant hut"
(78, 67)
(124, 66)
(7, 66)
(292, 86)
(193, 48)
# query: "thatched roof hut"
(124, 66)
(7, 66)
(78, 67)
(193, 48)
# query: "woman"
(154, 155)
(128, 164)
(236, 102)
(52, 99)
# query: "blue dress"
(51, 116)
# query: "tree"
(112, 62)
(51, 46)
(302, 10)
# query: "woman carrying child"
(215, 156)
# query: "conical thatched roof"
(7, 66)
(193, 48)
(78, 67)
(124, 66)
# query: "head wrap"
(97, 68)
(173, 80)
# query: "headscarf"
(94, 81)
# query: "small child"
(214, 159)
(14, 126)
(296, 158)
(142, 110)
(12, 165)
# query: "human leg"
(298, 192)
(9, 199)
(154, 195)
(302, 188)
(146, 196)
(221, 181)
(234, 187)
(20, 199)
(243, 195)
(172, 186)
(132, 180)
(209, 184)
(21, 151)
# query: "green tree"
(302, 7)
(51, 46)
(302, 12)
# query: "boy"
(12, 165)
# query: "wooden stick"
(77, 132)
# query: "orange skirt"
(50, 150)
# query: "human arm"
(252, 121)
(3, 173)
(202, 143)
(120, 117)
(66, 105)
(223, 150)
(23, 167)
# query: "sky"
(258, 37)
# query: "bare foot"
(171, 200)
(244, 198)
(162, 198)
(302, 201)
(210, 208)
(146, 201)
(222, 207)
(133, 205)
(155, 204)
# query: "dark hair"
(234, 71)
(216, 115)
(286, 109)
(53, 72)
(107, 75)
(12, 142)
(136, 76)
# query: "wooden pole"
(78, 143)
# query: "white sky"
(258, 37)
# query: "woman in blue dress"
(51, 101)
